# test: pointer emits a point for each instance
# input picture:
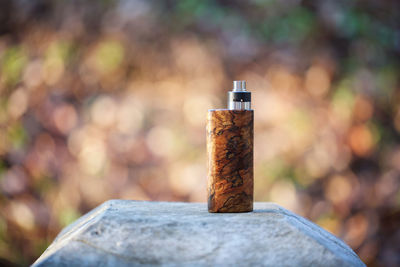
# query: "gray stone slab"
(140, 233)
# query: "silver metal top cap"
(239, 86)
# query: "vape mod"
(230, 153)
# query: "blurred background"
(107, 99)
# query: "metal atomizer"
(239, 98)
(230, 153)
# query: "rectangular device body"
(230, 160)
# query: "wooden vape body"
(230, 160)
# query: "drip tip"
(239, 86)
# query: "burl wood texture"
(230, 160)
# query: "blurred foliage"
(107, 99)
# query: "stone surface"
(230, 160)
(136, 233)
